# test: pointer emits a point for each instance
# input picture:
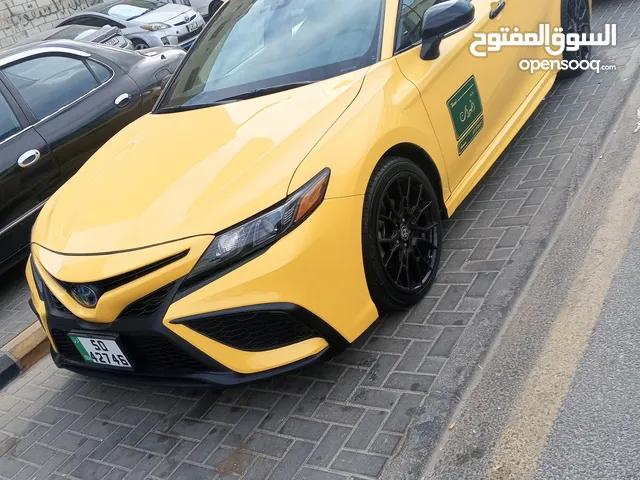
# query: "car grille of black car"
(148, 353)
(149, 304)
(253, 332)
(190, 35)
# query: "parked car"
(107, 35)
(288, 187)
(59, 102)
(147, 23)
(206, 8)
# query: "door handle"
(498, 9)
(123, 100)
(28, 158)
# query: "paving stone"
(267, 444)
(413, 382)
(378, 398)
(385, 443)
(329, 446)
(124, 457)
(359, 463)
(446, 342)
(333, 412)
(402, 413)
(187, 471)
(366, 429)
(279, 413)
(292, 461)
(312, 474)
(302, 428)
(167, 466)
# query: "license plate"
(192, 26)
(112, 41)
(101, 351)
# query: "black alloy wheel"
(402, 234)
(576, 18)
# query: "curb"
(22, 352)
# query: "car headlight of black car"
(232, 246)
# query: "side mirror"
(441, 21)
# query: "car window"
(9, 124)
(410, 22)
(50, 83)
(101, 72)
(94, 21)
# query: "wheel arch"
(420, 157)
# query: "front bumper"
(158, 356)
(301, 300)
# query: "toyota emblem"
(84, 295)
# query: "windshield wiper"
(234, 98)
(182, 108)
(258, 92)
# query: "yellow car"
(288, 186)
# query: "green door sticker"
(465, 108)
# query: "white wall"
(21, 18)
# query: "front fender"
(387, 112)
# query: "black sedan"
(59, 102)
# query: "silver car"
(146, 23)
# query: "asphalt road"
(557, 397)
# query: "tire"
(139, 44)
(214, 7)
(397, 232)
(576, 18)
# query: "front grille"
(186, 20)
(65, 346)
(190, 35)
(57, 304)
(149, 353)
(149, 304)
(253, 332)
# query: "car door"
(77, 100)
(28, 176)
(469, 99)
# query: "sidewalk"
(377, 410)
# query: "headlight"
(243, 240)
(153, 27)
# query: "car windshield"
(131, 9)
(73, 32)
(255, 47)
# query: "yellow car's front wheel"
(576, 19)
(402, 234)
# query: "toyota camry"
(288, 187)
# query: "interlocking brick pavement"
(351, 417)
(15, 314)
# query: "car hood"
(164, 14)
(176, 175)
